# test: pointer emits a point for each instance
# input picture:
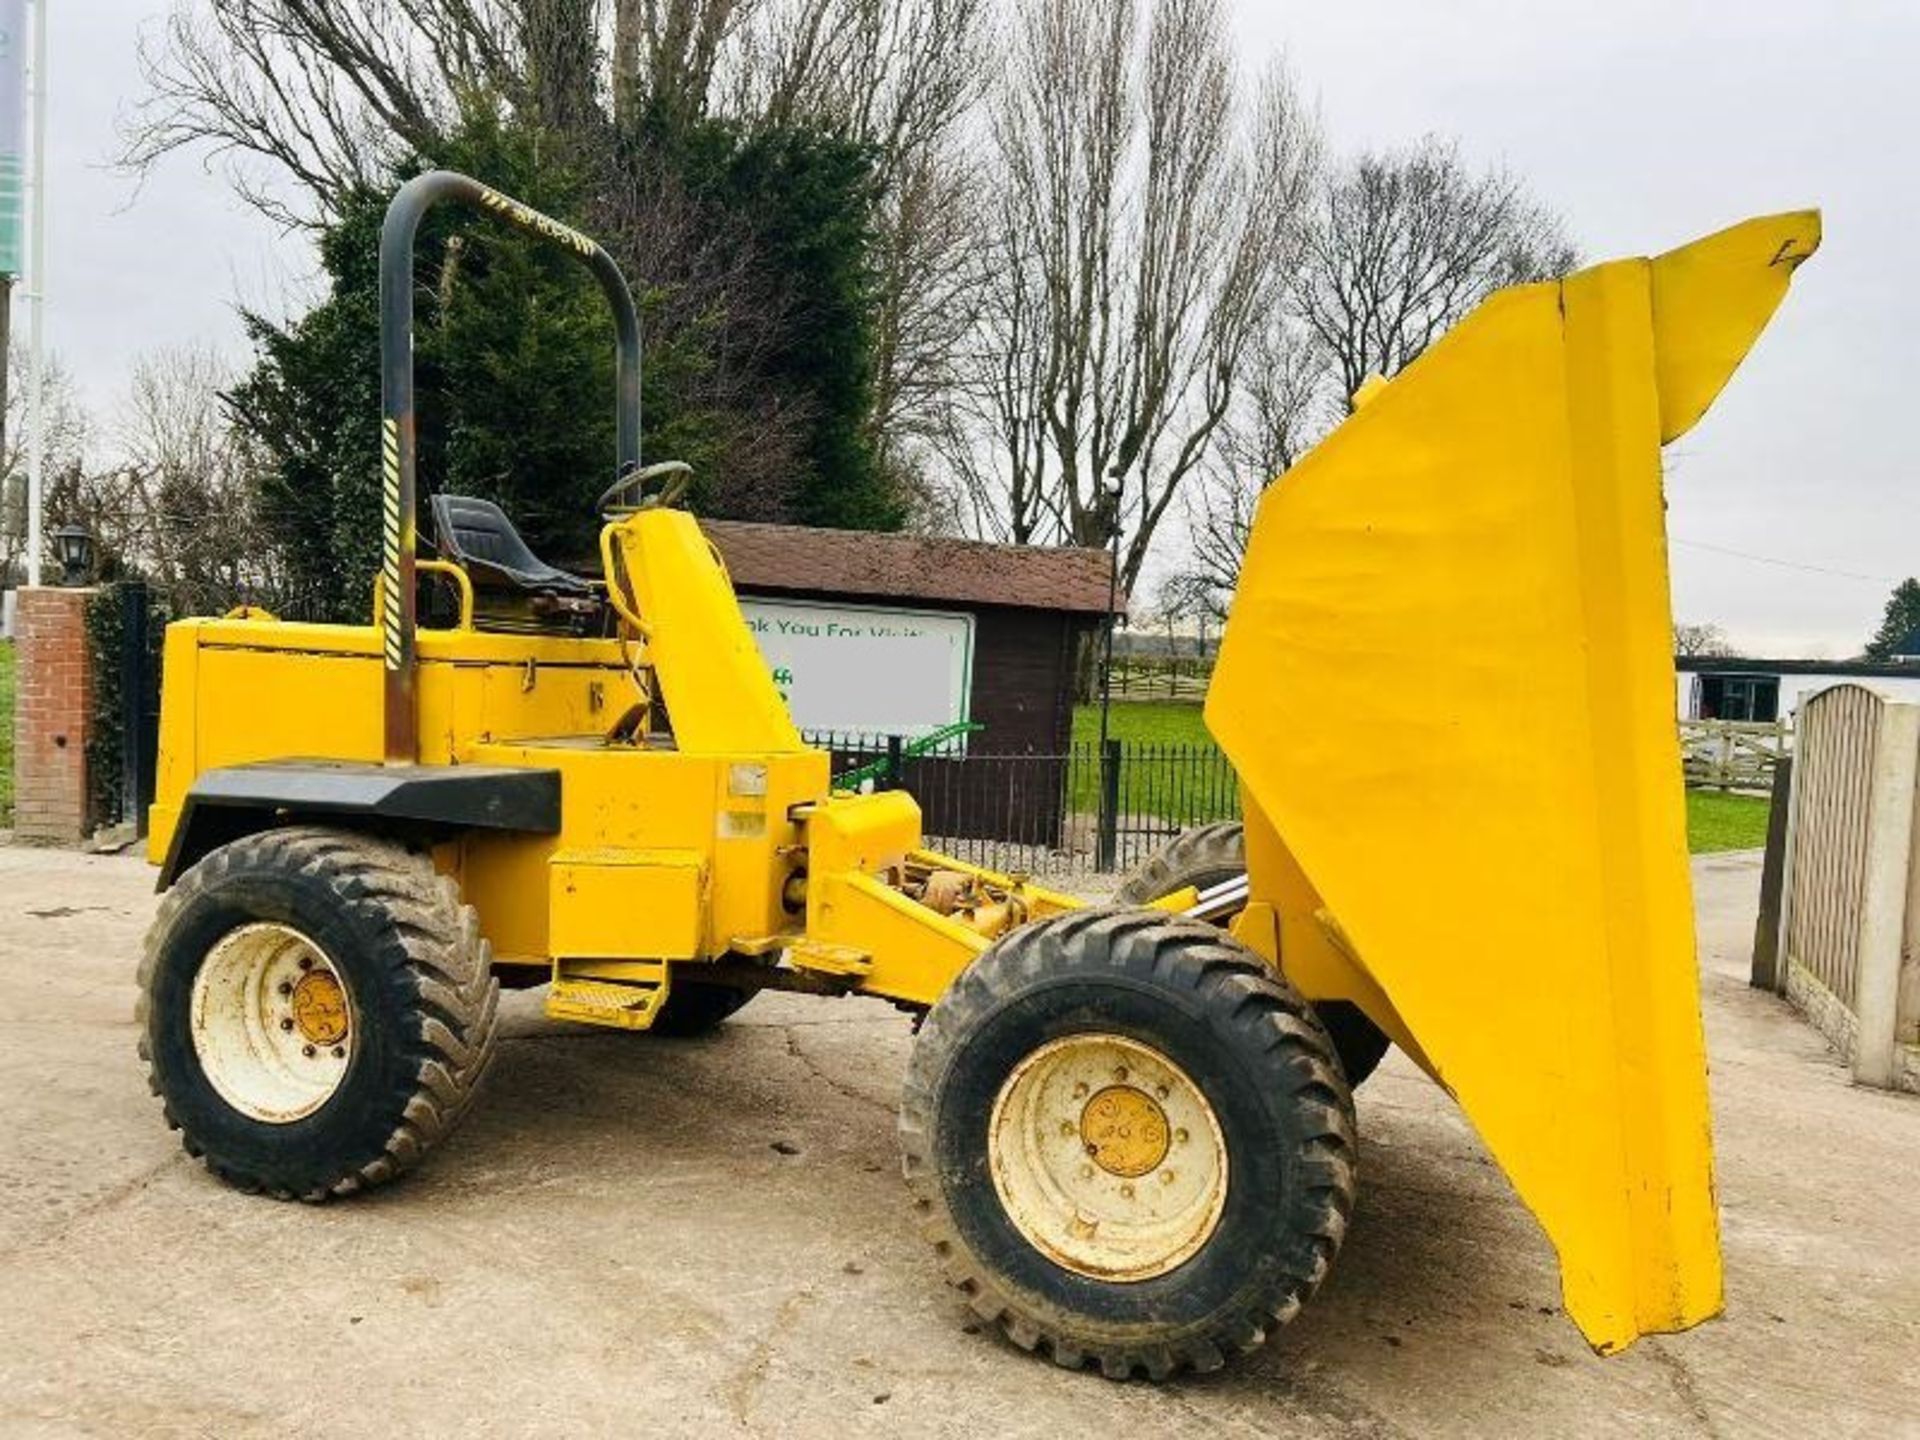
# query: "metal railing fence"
(1083, 810)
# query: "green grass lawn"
(6, 733)
(1725, 822)
(1171, 784)
(1714, 821)
(1158, 722)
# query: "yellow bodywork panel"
(902, 949)
(244, 690)
(646, 803)
(717, 686)
(596, 900)
(239, 691)
(1711, 299)
(899, 948)
(1447, 686)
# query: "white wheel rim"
(1107, 1157)
(272, 1023)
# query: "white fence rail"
(1850, 912)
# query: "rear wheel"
(316, 1010)
(1129, 1141)
(1210, 855)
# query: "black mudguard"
(434, 800)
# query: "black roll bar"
(397, 440)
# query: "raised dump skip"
(1447, 684)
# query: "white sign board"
(865, 670)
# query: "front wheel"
(1211, 855)
(1130, 1142)
(317, 1010)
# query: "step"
(621, 1004)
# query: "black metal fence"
(125, 625)
(1084, 810)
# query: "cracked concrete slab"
(710, 1237)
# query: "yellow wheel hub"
(1107, 1158)
(320, 1008)
(1125, 1132)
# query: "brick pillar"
(53, 706)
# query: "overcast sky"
(1645, 122)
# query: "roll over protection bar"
(397, 440)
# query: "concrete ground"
(709, 1237)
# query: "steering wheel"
(633, 486)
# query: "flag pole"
(37, 274)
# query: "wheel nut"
(286, 1024)
(1180, 1137)
(1066, 1127)
(1120, 1073)
(307, 1050)
(1086, 1172)
(1126, 1192)
(1080, 1091)
(286, 987)
(306, 962)
(340, 1053)
(1166, 1177)
(1162, 1091)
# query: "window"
(1740, 697)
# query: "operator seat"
(513, 589)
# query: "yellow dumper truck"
(1127, 1129)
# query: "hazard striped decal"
(390, 556)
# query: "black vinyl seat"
(513, 589)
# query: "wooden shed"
(1029, 606)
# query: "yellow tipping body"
(1447, 687)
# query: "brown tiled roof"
(911, 567)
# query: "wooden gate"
(1733, 754)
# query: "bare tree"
(1403, 243)
(1703, 640)
(308, 101)
(705, 277)
(1399, 247)
(1180, 597)
(905, 77)
(901, 76)
(1142, 227)
(67, 438)
(1284, 404)
(187, 472)
(171, 500)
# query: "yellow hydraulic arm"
(1447, 686)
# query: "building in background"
(871, 635)
(1715, 688)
